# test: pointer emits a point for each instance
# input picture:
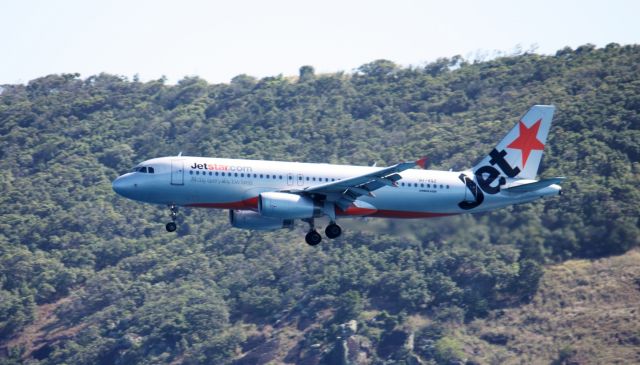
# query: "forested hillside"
(87, 277)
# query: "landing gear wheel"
(171, 226)
(313, 238)
(333, 231)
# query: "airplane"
(270, 195)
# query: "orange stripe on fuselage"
(355, 211)
(252, 204)
(247, 204)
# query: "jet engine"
(247, 219)
(287, 206)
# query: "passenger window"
(241, 175)
(402, 184)
(280, 177)
(197, 172)
(216, 173)
(261, 176)
(190, 172)
(415, 185)
(273, 177)
(210, 173)
(267, 176)
(422, 185)
(307, 178)
(441, 187)
(223, 174)
(314, 179)
(290, 177)
(447, 186)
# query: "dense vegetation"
(128, 292)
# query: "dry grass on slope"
(36, 340)
(585, 312)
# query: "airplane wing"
(344, 192)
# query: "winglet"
(422, 162)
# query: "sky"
(217, 40)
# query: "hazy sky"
(218, 40)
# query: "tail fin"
(519, 153)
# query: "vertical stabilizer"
(519, 153)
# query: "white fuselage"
(236, 184)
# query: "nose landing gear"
(171, 226)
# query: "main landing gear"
(333, 230)
(171, 226)
(313, 238)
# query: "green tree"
(448, 351)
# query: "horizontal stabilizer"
(533, 186)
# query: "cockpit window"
(150, 169)
(142, 169)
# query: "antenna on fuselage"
(180, 154)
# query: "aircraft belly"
(425, 202)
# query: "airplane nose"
(122, 186)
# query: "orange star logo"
(527, 141)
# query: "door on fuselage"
(177, 172)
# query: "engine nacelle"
(247, 219)
(287, 206)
